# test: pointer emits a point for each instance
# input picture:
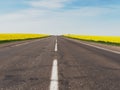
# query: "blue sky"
(93, 17)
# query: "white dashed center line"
(54, 73)
(56, 48)
(54, 76)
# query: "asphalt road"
(58, 63)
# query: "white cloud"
(96, 11)
(34, 13)
(50, 4)
(47, 21)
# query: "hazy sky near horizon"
(93, 17)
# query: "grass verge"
(8, 41)
(102, 42)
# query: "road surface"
(58, 63)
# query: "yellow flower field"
(110, 39)
(4, 37)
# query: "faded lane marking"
(54, 76)
(24, 43)
(117, 52)
(56, 48)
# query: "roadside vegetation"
(4, 38)
(111, 40)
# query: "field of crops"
(101, 39)
(8, 37)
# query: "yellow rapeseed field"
(112, 39)
(4, 37)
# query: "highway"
(58, 63)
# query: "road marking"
(56, 48)
(101, 48)
(20, 44)
(54, 76)
(25, 43)
(56, 41)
